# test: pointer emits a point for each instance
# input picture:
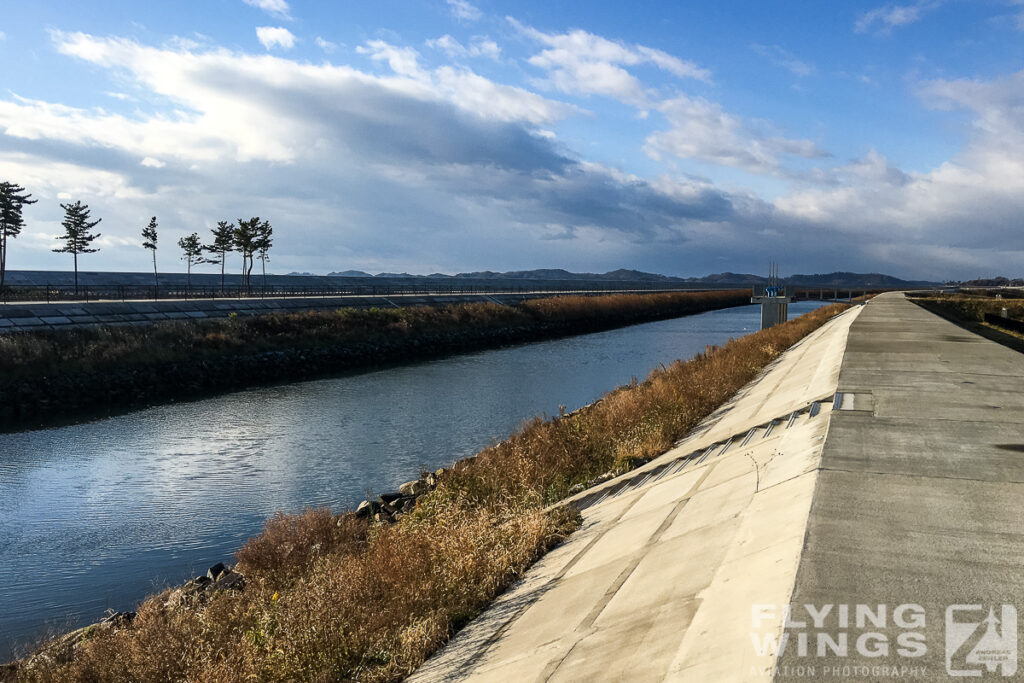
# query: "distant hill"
(995, 282)
(844, 279)
(544, 277)
(344, 273)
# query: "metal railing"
(90, 293)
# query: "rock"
(118, 620)
(577, 488)
(216, 571)
(417, 487)
(408, 504)
(382, 517)
(228, 581)
(367, 509)
(388, 498)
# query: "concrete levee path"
(919, 504)
(659, 581)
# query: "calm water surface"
(98, 515)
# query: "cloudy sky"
(683, 138)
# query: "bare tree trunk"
(75, 254)
(3, 258)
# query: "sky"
(683, 138)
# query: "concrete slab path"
(757, 549)
(659, 581)
(920, 501)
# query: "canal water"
(98, 515)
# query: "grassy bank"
(969, 311)
(335, 597)
(53, 375)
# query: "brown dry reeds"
(973, 308)
(334, 598)
(49, 352)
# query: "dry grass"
(331, 598)
(50, 352)
(974, 307)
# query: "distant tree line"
(251, 238)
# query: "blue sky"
(455, 135)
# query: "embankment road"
(872, 478)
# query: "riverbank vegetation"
(340, 597)
(51, 375)
(981, 312)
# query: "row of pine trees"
(251, 238)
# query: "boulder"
(366, 509)
(216, 571)
(388, 498)
(417, 487)
(118, 620)
(228, 581)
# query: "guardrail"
(87, 293)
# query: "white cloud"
(454, 153)
(884, 19)
(3, 36)
(271, 36)
(469, 180)
(480, 46)
(703, 130)
(583, 63)
(326, 45)
(404, 61)
(467, 89)
(277, 8)
(784, 58)
(464, 10)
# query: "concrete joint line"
(589, 620)
(918, 476)
(586, 626)
(468, 665)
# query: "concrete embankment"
(894, 545)
(659, 582)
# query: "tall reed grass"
(330, 597)
(49, 352)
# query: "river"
(98, 515)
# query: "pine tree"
(149, 242)
(11, 203)
(223, 242)
(193, 249)
(77, 237)
(264, 240)
(246, 241)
